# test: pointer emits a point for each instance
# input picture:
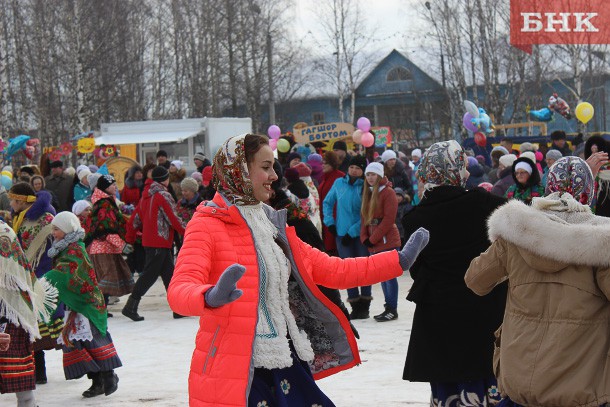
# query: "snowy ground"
(156, 356)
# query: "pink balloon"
(367, 139)
(467, 122)
(357, 136)
(364, 124)
(273, 143)
(274, 131)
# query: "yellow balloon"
(283, 145)
(8, 174)
(584, 112)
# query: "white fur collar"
(549, 229)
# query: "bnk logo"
(558, 22)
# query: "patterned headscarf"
(572, 175)
(230, 172)
(443, 164)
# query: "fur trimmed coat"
(552, 349)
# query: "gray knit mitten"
(225, 290)
(416, 243)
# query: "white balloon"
(471, 108)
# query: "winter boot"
(389, 314)
(111, 382)
(130, 310)
(355, 304)
(365, 304)
(40, 367)
(97, 385)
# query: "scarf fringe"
(50, 297)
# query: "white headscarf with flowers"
(444, 163)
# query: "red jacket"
(155, 216)
(216, 237)
(383, 233)
(130, 196)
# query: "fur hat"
(358, 161)
(507, 160)
(105, 181)
(177, 164)
(199, 156)
(340, 145)
(160, 173)
(388, 155)
(80, 206)
(189, 184)
(206, 176)
(375, 168)
(66, 221)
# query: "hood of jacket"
(130, 182)
(554, 232)
(41, 206)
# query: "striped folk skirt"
(49, 334)
(113, 274)
(96, 355)
(17, 363)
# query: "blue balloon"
(543, 115)
(7, 182)
(16, 144)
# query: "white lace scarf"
(275, 320)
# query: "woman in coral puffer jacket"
(266, 331)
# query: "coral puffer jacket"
(222, 364)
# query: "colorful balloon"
(480, 139)
(471, 108)
(274, 132)
(467, 122)
(483, 122)
(584, 112)
(543, 115)
(560, 106)
(364, 124)
(357, 136)
(273, 143)
(367, 139)
(283, 146)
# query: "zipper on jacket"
(212, 350)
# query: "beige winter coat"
(554, 345)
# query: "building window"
(318, 118)
(399, 74)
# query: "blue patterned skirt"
(473, 393)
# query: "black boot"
(362, 309)
(111, 382)
(355, 304)
(40, 367)
(97, 385)
(178, 316)
(130, 310)
(389, 314)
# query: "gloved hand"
(368, 243)
(346, 240)
(127, 248)
(225, 290)
(416, 243)
(333, 229)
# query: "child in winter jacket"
(265, 327)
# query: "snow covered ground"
(156, 356)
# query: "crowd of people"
(491, 299)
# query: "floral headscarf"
(230, 172)
(443, 164)
(571, 175)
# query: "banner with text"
(383, 136)
(534, 22)
(323, 132)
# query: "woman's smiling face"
(261, 173)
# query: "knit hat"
(177, 164)
(314, 157)
(70, 171)
(189, 184)
(416, 153)
(67, 222)
(197, 176)
(472, 162)
(160, 173)
(524, 166)
(83, 173)
(206, 176)
(303, 169)
(292, 156)
(501, 149)
(104, 182)
(388, 155)
(539, 156)
(375, 168)
(508, 160)
(81, 167)
(92, 179)
(199, 156)
(56, 164)
(487, 186)
(530, 155)
(80, 206)
(93, 168)
(358, 161)
(340, 145)
(527, 146)
(554, 154)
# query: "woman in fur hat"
(87, 345)
(451, 342)
(527, 181)
(266, 331)
(24, 302)
(552, 348)
(105, 229)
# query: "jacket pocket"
(496, 356)
(212, 351)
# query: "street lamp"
(440, 44)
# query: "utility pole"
(270, 74)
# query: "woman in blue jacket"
(346, 193)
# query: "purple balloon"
(467, 122)
(364, 124)
(274, 131)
